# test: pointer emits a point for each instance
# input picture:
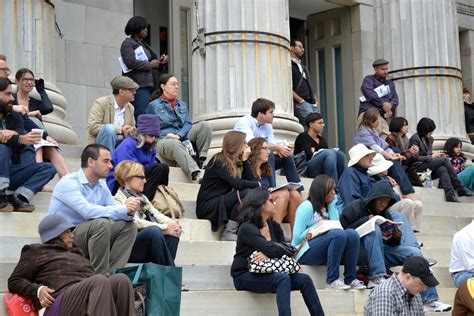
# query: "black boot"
(20, 204)
(451, 196)
(462, 191)
(5, 206)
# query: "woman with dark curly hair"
(141, 69)
(464, 170)
(260, 170)
(222, 188)
(260, 234)
(436, 161)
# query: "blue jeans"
(329, 248)
(281, 284)
(288, 165)
(396, 171)
(329, 162)
(107, 137)
(301, 111)
(142, 99)
(28, 177)
(461, 276)
(151, 245)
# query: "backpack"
(166, 201)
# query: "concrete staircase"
(206, 260)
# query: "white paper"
(124, 67)
(369, 226)
(323, 149)
(323, 226)
(289, 186)
(44, 143)
(382, 90)
(140, 54)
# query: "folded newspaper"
(288, 186)
(44, 143)
(386, 225)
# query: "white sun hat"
(357, 152)
(379, 164)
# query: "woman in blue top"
(327, 247)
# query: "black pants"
(442, 168)
(231, 201)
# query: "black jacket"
(14, 121)
(357, 212)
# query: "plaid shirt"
(392, 298)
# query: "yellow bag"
(166, 201)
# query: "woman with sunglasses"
(330, 245)
(260, 170)
(258, 232)
(158, 235)
(141, 148)
(222, 187)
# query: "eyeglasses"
(28, 79)
(140, 177)
(5, 69)
(149, 135)
(270, 199)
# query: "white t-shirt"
(462, 250)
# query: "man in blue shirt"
(104, 229)
(259, 124)
(379, 92)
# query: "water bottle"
(189, 146)
(428, 181)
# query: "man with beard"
(304, 97)
(104, 229)
(19, 170)
(379, 92)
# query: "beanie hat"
(148, 124)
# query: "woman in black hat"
(56, 276)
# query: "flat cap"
(123, 82)
(379, 62)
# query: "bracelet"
(302, 101)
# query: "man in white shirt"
(259, 124)
(461, 265)
(112, 117)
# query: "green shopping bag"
(163, 285)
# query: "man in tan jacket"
(111, 117)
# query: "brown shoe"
(20, 204)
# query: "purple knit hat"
(148, 124)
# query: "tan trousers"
(412, 210)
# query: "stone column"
(423, 35)
(242, 53)
(467, 58)
(28, 40)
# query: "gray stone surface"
(71, 18)
(105, 31)
(84, 64)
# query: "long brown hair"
(371, 115)
(231, 150)
(255, 146)
(320, 188)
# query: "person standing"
(468, 113)
(379, 92)
(304, 97)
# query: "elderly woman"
(141, 148)
(56, 276)
(35, 109)
(158, 235)
(141, 68)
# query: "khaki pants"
(106, 243)
(174, 150)
(412, 210)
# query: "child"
(463, 168)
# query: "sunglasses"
(140, 177)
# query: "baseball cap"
(420, 267)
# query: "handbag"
(166, 201)
(301, 163)
(285, 264)
(163, 287)
(19, 306)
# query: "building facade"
(227, 53)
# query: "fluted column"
(242, 53)
(28, 40)
(423, 35)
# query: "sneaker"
(431, 261)
(420, 243)
(5, 205)
(338, 285)
(436, 306)
(357, 284)
(373, 282)
(462, 191)
(20, 204)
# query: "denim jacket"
(178, 122)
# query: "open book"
(44, 143)
(288, 186)
(387, 226)
(323, 226)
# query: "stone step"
(190, 252)
(237, 303)
(435, 194)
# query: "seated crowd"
(102, 216)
